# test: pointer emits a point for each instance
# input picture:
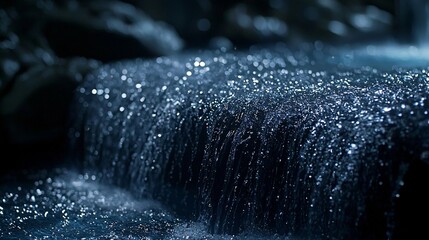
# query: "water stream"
(293, 144)
(274, 142)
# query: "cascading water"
(262, 140)
(272, 143)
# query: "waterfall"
(259, 140)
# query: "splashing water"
(289, 142)
(64, 205)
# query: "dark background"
(47, 47)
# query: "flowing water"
(270, 143)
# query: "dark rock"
(335, 20)
(34, 110)
(246, 26)
(412, 21)
(108, 31)
(8, 68)
(197, 21)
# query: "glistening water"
(268, 143)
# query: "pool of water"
(64, 204)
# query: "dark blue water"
(62, 204)
(269, 143)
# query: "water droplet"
(387, 109)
